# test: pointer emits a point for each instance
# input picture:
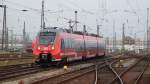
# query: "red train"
(56, 45)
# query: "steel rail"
(18, 72)
(96, 75)
(141, 74)
(117, 75)
(86, 71)
(107, 64)
(123, 72)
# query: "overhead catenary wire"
(128, 3)
(51, 12)
(18, 4)
(81, 9)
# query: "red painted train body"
(55, 45)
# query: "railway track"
(7, 72)
(14, 56)
(74, 76)
(18, 70)
(111, 75)
(100, 73)
(139, 78)
(92, 74)
(133, 73)
(107, 73)
(8, 59)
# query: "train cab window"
(46, 38)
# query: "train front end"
(45, 48)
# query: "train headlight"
(39, 48)
(53, 47)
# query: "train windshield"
(46, 38)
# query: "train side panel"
(78, 46)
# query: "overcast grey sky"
(130, 12)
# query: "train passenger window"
(62, 44)
(67, 43)
(82, 46)
(70, 43)
(76, 45)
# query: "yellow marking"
(65, 67)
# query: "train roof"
(58, 29)
(53, 29)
